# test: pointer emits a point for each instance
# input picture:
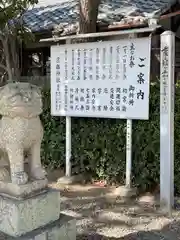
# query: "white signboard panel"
(101, 79)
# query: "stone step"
(62, 229)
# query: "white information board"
(107, 79)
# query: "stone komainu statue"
(21, 130)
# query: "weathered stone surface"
(65, 229)
(21, 131)
(65, 180)
(62, 229)
(17, 217)
(125, 192)
(22, 191)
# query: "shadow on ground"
(101, 215)
(168, 232)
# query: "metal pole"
(68, 139)
(128, 153)
(129, 143)
(68, 146)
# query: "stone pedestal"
(35, 217)
(62, 229)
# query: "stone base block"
(22, 191)
(62, 229)
(125, 192)
(65, 180)
(18, 216)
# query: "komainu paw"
(19, 178)
(38, 173)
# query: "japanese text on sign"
(102, 79)
(164, 76)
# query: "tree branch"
(3, 67)
(8, 60)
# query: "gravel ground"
(100, 217)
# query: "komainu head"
(20, 100)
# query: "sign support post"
(128, 152)
(68, 146)
(129, 144)
(167, 120)
(68, 139)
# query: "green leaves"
(13, 9)
(12, 33)
(98, 145)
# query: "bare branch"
(7, 58)
(3, 67)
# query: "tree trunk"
(88, 12)
(8, 59)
